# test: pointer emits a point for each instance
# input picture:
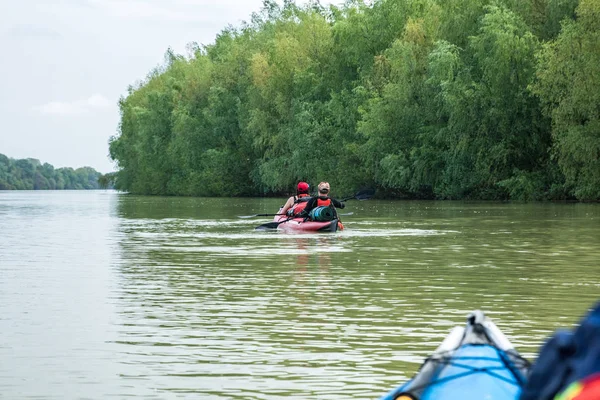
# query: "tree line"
(31, 174)
(452, 99)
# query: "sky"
(66, 63)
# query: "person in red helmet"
(295, 204)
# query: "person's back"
(322, 200)
(295, 204)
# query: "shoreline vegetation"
(422, 99)
(31, 174)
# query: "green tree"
(421, 98)
(568, 84)
(30, 174)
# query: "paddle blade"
(268, 225)
(365, 194)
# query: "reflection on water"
(196, 303)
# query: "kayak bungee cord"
(473, 362)
(446, 359)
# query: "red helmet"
(302, 187)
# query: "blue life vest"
(566, 358)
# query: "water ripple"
(122, 296)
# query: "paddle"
(272, 215)
(270, 225)
(364, 194)
(258, 215)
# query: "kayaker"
(295, 204)
(322, 199)
(568, 365)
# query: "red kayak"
(326, 220)
(300, 225)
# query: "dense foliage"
(453, 99)
(30, 174)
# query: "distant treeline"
(30, 174)
(447, 99)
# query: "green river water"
(106, 295)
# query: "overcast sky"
(65, 63)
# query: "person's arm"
(288, 204)
(310, 204)
(337, 203)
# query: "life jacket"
(300, 202)
(323, 210)
(585, 389)
(568, 366)
(323, 202)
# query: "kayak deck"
(300, 225)
(474, 362)
(287, 224)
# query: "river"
(110, 295)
